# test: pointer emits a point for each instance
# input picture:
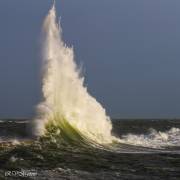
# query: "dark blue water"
(65, 160)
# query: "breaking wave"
(154, 139)
(67, 108)
(68, 111)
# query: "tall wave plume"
(67, 108)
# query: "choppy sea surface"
(148, 149)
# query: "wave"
(67, 106)
(68, 111)
(154, 139)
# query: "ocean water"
(63, 159)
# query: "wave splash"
(67, 109)
(154, 139)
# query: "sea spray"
(67, 107)
(154, 139)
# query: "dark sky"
(130, 51)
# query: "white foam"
(155, 139)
